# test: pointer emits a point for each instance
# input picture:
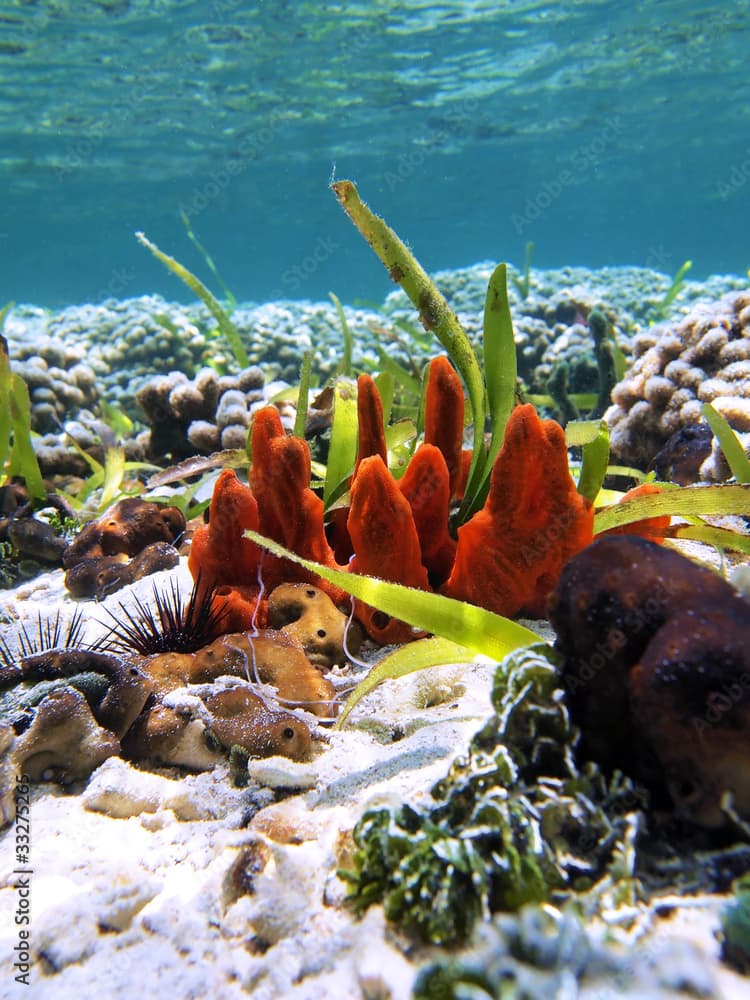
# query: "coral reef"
(702, 358)
(61, 383)
(657, 672)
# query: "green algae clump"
(513, 822)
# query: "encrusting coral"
(267, 656)
(64, 742)
(309, 615)
(657, 670)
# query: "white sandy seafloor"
(135, 889)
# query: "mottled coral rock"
(115, 703)
(64, 742)
(703, 358)
(125, 529)
(241, 718)
(102, 575)
(269, 656)
(657, 668)
(309, 615)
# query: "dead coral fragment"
(510, 553)
(63, 743)
(657, 668)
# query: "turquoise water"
(608, 133)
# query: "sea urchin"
(174, 627)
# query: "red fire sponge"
(426, 485)
(223, 557)
(510, 553)
(652, 528)
(370, 425)
(288, 510)
(444, 418)
(385, 541)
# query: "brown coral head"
(241, 718)
(657, 667)
(125, 529)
